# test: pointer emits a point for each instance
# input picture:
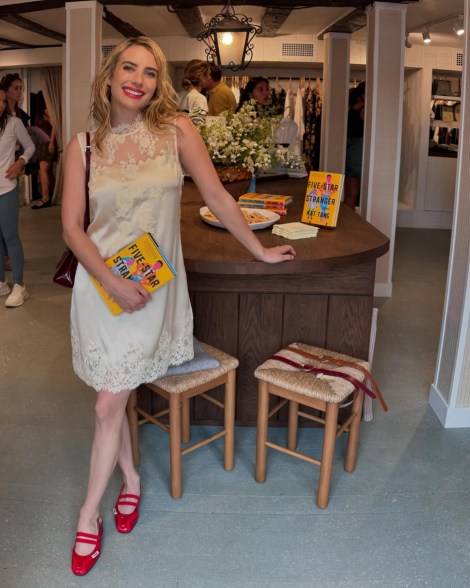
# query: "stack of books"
(273, 202)
(295, 231)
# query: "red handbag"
(66, 268)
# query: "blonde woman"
(137, 153)
(192, 100)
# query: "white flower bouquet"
(245, 139)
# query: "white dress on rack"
(135, 187)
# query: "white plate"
(268, 218)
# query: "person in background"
(138, 150)
(14, 89)
(46, 157)
(12, 131)
(192, 100)
(221, 97)
(256, 89)
(13, 86)
(354, 146)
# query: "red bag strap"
(339, 361)
(86, 221)
(310, 368)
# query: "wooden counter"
(251, 309)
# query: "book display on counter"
(322, 199)
(275, 202)
(142, 261)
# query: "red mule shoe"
(82, 564)
(126, 522)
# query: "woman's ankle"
(87, 519)
(132, 483)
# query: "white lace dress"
(134, 188)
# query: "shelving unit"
(444, 147)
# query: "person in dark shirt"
(256, 89)
(354, 146)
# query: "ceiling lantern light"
(229, 37)
(426, 36)
(458, 26)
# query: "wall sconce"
(228, 37)
(408, 44)
(458, 26)
(426, 36)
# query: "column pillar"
(383, 127)
(335, 103)
(450, 392)
(82, 59)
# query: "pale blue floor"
(401, 519)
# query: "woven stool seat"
(326, 388)
(285, 376)
(183, 382)
(177, 390)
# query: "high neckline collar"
(127, 128)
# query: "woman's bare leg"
(45, 180)
(131, 478)
(110, 414)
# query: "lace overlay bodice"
(135, 187)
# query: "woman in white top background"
(192, 100)
(12, 130)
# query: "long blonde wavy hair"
(160, 111)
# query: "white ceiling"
(157, 21)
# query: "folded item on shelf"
(295, 230)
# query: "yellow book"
(322, 199)
(142, 261)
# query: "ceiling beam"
(126, 29)
(355, 20)
(26, 7)
(190, 18)
(33, 27)
(15, 44)
(272, 20)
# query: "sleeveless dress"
(135, 187)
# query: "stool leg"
(293, 425)
(185, 421)
(327, 455)
(229, 421)
(133, 426)
(175, 446)
(353, 437)
(262, 432)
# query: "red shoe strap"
(128, 496)
(127, 503)
(87, 538)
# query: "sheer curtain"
(51, 84)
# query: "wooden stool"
(323, 393)
(178, 390)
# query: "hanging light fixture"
(229, 37)
(426, 36)
(458, 26)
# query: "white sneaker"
(4, 289)
(18, 295)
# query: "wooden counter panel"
(253, 326)
(353, 279)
